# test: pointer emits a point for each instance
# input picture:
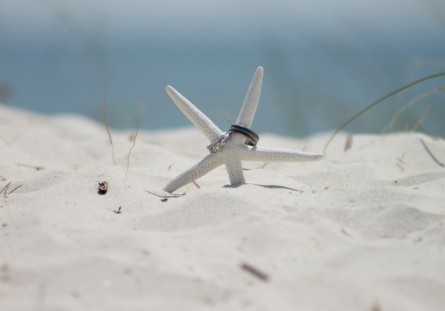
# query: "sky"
(26, 19)
(323, 59)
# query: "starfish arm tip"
(311, 156)
(169, 89)
(207, 164)
(250, 104)
(169, 189)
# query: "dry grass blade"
(369, 107)
(5, 188)
(132, 146)
(420, 120)
(105, 116)
(411, 103)
(431, 154)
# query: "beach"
(362, 229)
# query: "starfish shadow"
(277, 187)
(263, 186)
(233, 186)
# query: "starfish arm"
(235, 171)
(207, 164)
(278, 155)
(247, 113)
(199, 119)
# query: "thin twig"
(6, 187)
(37, 168)
(14, 189)
(105, 116)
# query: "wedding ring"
(251, 137)
(219, 143)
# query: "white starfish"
(233, 148)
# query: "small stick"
(255, 272)
(37, 168)
(196, 184)
(14, 189)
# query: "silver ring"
(219, 143)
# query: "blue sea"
(315, 78)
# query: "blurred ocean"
(321, 65)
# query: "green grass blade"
(369, 107)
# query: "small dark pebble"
(103, 187)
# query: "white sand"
(361, 230)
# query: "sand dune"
(363, 229)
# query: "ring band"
(219, 143)
(251, 137)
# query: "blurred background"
(324, 60)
